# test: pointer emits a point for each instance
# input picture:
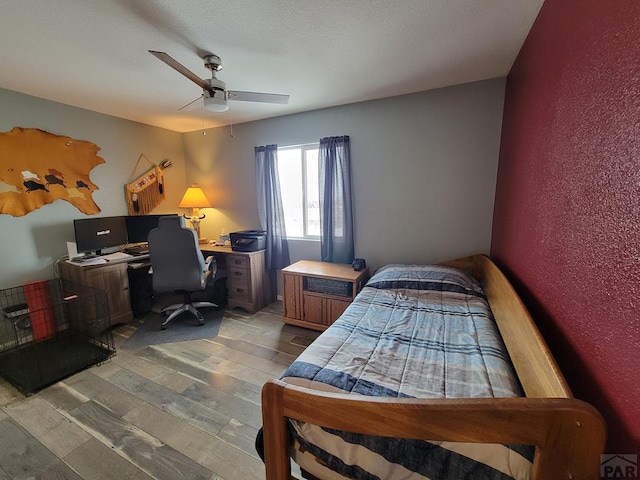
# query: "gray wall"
(423, 166)
(30, 245)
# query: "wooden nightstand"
(316, 293)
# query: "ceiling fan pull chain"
(204, 132)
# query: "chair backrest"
(176, 258)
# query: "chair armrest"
(210, 267)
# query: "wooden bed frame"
(568, 434)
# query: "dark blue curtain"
(336, 212)
(270, 207)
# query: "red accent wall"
(566, 225)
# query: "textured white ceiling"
(94, 53)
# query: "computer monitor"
(139, 226)
(95, 234)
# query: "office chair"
(179, 266)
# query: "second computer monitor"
(139, 226)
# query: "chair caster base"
(179, 309)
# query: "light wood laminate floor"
(186, 410)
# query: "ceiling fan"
(215, 95)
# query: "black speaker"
(359, 264)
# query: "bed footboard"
(569, 434)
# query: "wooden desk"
(250, 287)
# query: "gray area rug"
(181, 329)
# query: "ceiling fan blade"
(190, 103)
(179, 67)
(257, 97)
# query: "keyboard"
(88, 260)
(111, 257)
(139, 250)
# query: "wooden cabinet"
(322, 310)
(291, 295)
(248, 282)
(111, 278)
(316, 293)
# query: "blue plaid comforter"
(413, 331)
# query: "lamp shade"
(194, 198)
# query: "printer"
(248, 240)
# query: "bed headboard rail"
(537, 370)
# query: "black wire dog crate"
(50, 330)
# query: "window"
(298, 174)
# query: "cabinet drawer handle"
(237, 262)
(239, 274)
(240, 290)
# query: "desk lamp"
(194, 198)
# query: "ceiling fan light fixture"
(216, 104)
